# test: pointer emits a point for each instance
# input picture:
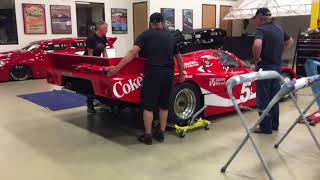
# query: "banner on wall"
(119, 21)
(168, 15)
(187, 20)
(61, 19)
(34, 18)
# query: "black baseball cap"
(156, 18)
(264, 12)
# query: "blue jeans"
(311, 67)
(266, 90)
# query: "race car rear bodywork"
(206, 73)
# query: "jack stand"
(193, 124)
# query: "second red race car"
(206, 73)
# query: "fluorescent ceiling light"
(81, 2)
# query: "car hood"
(13, 54)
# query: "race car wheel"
(20, 73)
(184, 103)
(287, 78)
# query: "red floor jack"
(314, 118)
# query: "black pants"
(90, 102)
(156, 89)
(266, 90)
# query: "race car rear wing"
(86, 67)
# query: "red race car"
(206, 73)
(31, 61)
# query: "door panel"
(140, 18)
(225, 24)
(208, 16)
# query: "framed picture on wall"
(187, 20)
(119, 21)
(169, 17)
(60, 19)
(34, 18)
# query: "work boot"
(91, 110)
(262, 131)
(159, 136)
(146, 138)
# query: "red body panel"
(37, 59)
(202, 68)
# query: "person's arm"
(128, 58)
(256, 50)
(288, 42)
(104, 53)
(90, 52)
(257, 46)
(90, 44)
(180, 66)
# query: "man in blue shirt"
(269, 44)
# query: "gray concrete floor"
(36, 143)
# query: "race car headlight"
(2, 63)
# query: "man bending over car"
(159, 48)
(96, 46)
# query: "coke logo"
(120, 89)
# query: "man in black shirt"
(159, 48)
(270, 43)
(96, 46)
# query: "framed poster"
(34, 18)
(168, 15)
(187, 20)
(119, 21)
(60, 19)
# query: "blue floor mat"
(56, 100)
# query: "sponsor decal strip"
(212, 99)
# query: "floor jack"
(193, 123)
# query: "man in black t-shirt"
(96, 46)
(159, 48)
(269, 44)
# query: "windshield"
(31, 47)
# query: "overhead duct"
(246, 9)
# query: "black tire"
(287, 77)
(185, 101)
(20, 73)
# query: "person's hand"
(257, 61)
(112, 71)
(181, 78)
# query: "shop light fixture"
(82, 2)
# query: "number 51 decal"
(245, 92)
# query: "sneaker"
(159, 136)
(146, 138)
(91, 110)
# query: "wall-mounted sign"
(119, 20)
(168, 15)
(34, 18)
(60, 19)
(187, 20)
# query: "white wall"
(123, 44)
(196, 5)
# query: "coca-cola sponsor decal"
(121, 88)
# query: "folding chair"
(285, 90)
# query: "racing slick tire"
(185, 101)
(287, 76)
(20, 73)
